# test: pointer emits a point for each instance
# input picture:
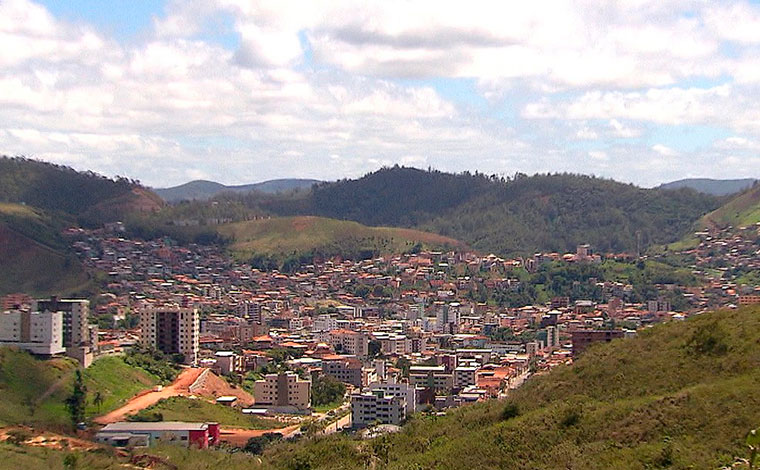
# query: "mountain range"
(712, 186)
(202, 190)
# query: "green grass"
(327, 407)
(116, 381)
(34, 390)
(188, 409)
(285, 235)
(741, 210)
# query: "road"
(145, 399)
(239, 437)
(338, 425)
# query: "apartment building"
(404, 391)
(348, 370)
(75, 318)
(433, 377)
(171, 329)
(285, 389)
(350, 342)
(38, 333)
(464, 376)
(376, 408)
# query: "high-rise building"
(75, 319)
(447, 318)
(38, 333)
(552, 337)
(171, 329)
(283, 389)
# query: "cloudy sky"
(240, 91)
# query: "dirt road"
(239, 437)
(151, 397)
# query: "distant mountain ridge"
(715, 187)
(202, 190)
(509, 216)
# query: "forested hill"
(521, 214)
(38, 201)
(86, 196)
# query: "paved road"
(145, 399)
(341, 423)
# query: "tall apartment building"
(38, 333)
(434, 377)
(347, 370)
(171, 329)
(552, 337)
(376, 407)
(447, 318)
(75, 319)
(350, 342)
(464, 376)
(283, 389)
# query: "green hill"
(743, 209)
(681, 395)
(518, 215)
(38, 201)
(322, 236)
(34, 391)
(34, 258)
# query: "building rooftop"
(125, 426)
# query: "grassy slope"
(116, 381)
(299, 234)
(33, 254)
(742, 210)
(671, 398)
(187, 409)
(34, 391)
(679, 396)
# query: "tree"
(98, 400)
(78, 399)
(326, 390)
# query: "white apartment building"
(404, 391)
(350, 342)
(38, 333)
(283, 389)
(171, 329)
(75, 318)
(447, 318)
(324, 323)
(376, 407)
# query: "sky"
(241, 91)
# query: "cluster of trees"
(155, 362)
(326, 390)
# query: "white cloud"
(664, 150)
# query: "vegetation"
(327, 392)
(288, 242)
(154, 362)
(516, 215)
(77, 401)
(111, 382)
(742, 210)
(188, 409)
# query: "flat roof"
(126, 426)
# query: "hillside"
(681, 395)
(204, 190)
(284, 236)
(712, 186)
(84, 197)
(38, 201)
(744, 209)
(519, 215)
(34, 258)
(34, 391)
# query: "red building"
(583, 338)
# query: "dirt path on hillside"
(151, 397)
(239, 437)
